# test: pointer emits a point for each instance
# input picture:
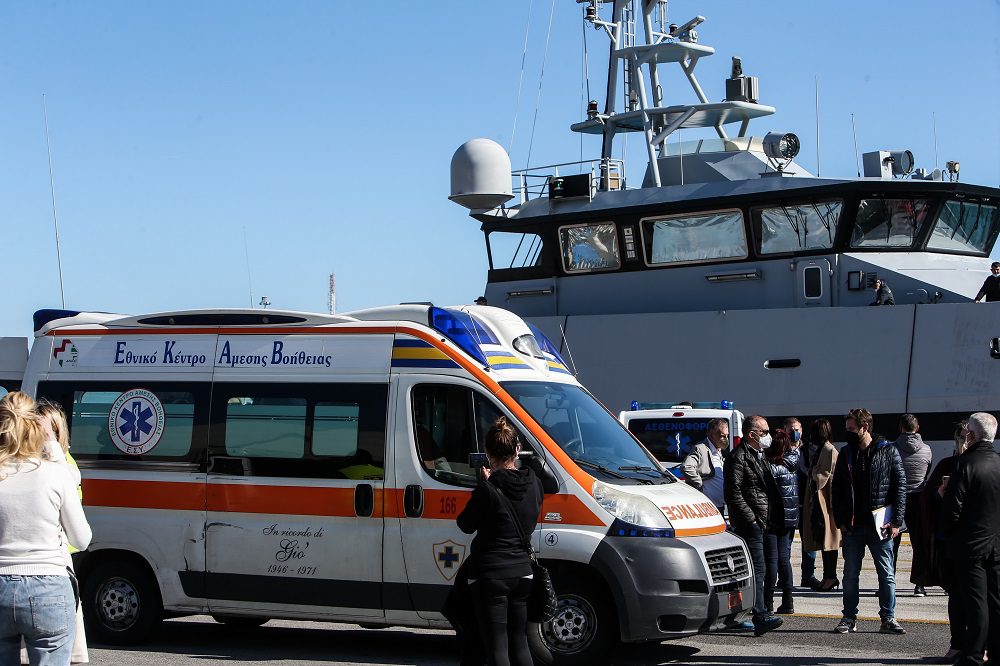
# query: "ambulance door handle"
(364, 500)
(413, 501)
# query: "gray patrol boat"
(733, 273)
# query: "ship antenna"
(520, 80)
(857, 159)
(586, 81)
(246, 253)
(52, 193)
(541, 80)
(817, 126)
(562, 332)
(934, 122)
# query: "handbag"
(542, 602)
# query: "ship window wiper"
(793, 224)
(825, 221)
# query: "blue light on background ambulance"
(723, 404)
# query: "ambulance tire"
(240, 621)
(583, 629)
(121, 602)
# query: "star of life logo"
(136, 422)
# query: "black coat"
(786, 479)
(990, 289)
(971, 511)
(887, 488)
(497, 551)
(750, 491)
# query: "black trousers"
(502, 612)
(980, 591)
(755, 544)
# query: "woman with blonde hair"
(38, 505)
(53, 420)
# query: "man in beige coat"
(819, 531)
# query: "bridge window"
(514, 250)
(694, 237)
(589, 247)
(965, 226)
(794, 228)
(888, 223)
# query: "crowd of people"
(860, 497)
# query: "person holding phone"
(500, 569)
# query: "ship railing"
(605, 175)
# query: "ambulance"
(257, 464)
(669, 430)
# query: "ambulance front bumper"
(665, 588)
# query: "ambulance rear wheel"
(121, 602)
(582, 630)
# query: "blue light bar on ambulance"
(546, 345)
(724, 404)
(462, 329)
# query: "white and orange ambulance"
(255, 464)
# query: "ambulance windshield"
(588, 433)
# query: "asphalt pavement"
(805, 638)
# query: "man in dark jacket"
(868, 482)
(991, 286)
(751, 494)
(971, 520)
(883, 295)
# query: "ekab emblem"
(65, 353)
(448, 556)
(136, 422)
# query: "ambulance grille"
(720, 568)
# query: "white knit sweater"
(37, 498)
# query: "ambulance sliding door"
(295, 522)
(439, 421)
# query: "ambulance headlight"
(628, 508)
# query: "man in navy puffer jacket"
(868, 480)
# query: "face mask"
(765, 441)
(796, 436)
(852, 438)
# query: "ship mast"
(644, 105)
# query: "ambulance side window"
(152, 421)
(333, 431)
(449, 423)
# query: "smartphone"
(477, 460)
(944, 479)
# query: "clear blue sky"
(325, 131)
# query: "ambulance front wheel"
(121, 602)
(582, 630)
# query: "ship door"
(812, 282)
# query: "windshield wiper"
(645, 468)
(600, 468)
